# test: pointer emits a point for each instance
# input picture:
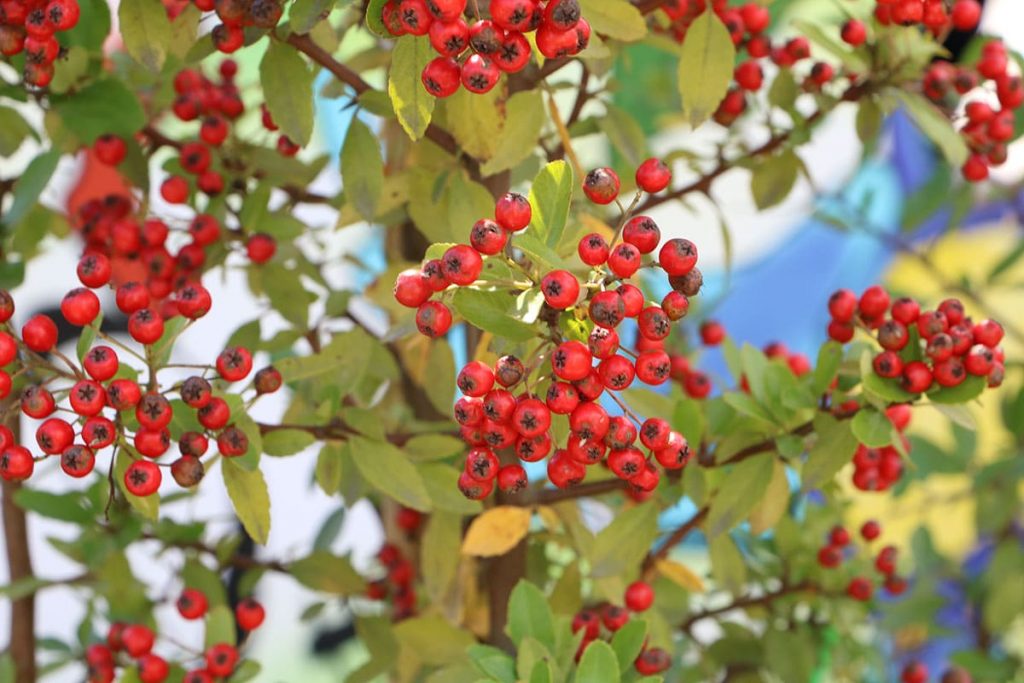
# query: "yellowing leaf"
(615, 19)
(413, 105)
(496, 531)
(680, 575)
(476, 121)
(288, 88)
(248, 493)
(523, 122)
(705, 67)
(146, 31)
(769, 511)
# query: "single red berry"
(653, 176)
(441, 76)
(39, 333)
(654, 367)
(571, 361)
(830, 557)
(639, 596)
(221, 660)
(98, 432)
(475, 379)
(145, 326)
(643, 233)
(261, 247)
(678, 257)
(152, 443)
(854, 33)
(874, 302)
(480, 74)
(513, 212)
(54, 435)
(192, 604)
(870, 530)
(712, 333)
(593, 249)
(123, 394)
(16, 463)
(988, 332)
(215, 414)
(601, 185)
(109, 149)
(487, 237)
(917, 377)
(509, 371)
(965, 16)
(132, 296)
(749, 76)
(624, 260)
(859, 588)
(433, 319)
(653, 323)
(607, 309)
(80, 306)
(589, 421)
(462, 265)
(235, 363)
(136, 639)
(888, 364)
(249, 614)
(563, 471)
(174, 190)
(652, 661)
(187, 470)
(675, 454)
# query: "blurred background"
(769, 281)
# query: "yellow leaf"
(680, 574)
(496, 531)
(769, 511)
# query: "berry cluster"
(235, 15)
(920, 348)
(494, 418)
(835, 552)
(497, 45)
(989, 119)
(878, 469)
(31, 26)
(132, 644)
(398, 584)
(917, 672)
(639, 597)
(101, 383)
(747, 25)
(964, 15)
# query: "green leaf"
(493, 662)
(772, 506)
(598, 664)
(968, 390)
(30, 185)
(440, 555)
(197, 575)
(93, 26)
(628, 641)
(146, 32)
(413, 105)
(23, 588)
(869, 120)
(622, 545)
(872, 428)
(727, 565)
(529, 614)
(438, 478)
(541, 254)
(489, 311)
(774, 178)
(428, 447)
(345, 357)
(67, 507)
(830, 356)
(743, 487)
(13, 131)
(625, 134)
(220, 626)
(104, 106)
(705, 67)
(362, 169)
(617, 19)
(375, 19)
(541, 673)
(935, 125)
(327, 573)
(305, 14)
(388, 470)
(287, 441)
(147, 506)
(834, 448)
(524, 119)
(475, 120)
(433, 640)
(288, 90)
(550, 197)
(248, 493)
(246, 670)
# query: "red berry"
(988, 332)
(652, 661)
(854, 33)
(859, 588)
(109, 149)
(639, 596)
(480, 74)
(593, 250)
(39, 333)
(136, 639)
(221, 660)
(442, 76)
(433, 319)
(462, 265)
(870, 530)
(678, 256)
(192, 604)
(145, 326)
(174, 190)
(513, 212)
(261, 247)
(80, 306)
(560, 288)
(235, 363)
(249, 614)
(571, 361)
(601, 186)
(16, 463)
(512, 479)
(965, 15)
(215, 414)
(643, 233)
(653, 176)
(607, 309)
(187, 471)
(830, 557)
(475, 379)
(54, 435)
(624, 260)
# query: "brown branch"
(747, 602)
(434, 133)
(159, 139)
(765, 446)
(673, 540)
(19, 565)
(703, 184)
(551, 496)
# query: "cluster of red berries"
(747, 25)
(989, 120)
(833, 554)
(917, 672)
(398, 584)
(878, 469)
(498, 45)
(128, 644)
(31, 26)
(493, 418)
(964, 15)
(604, 621)
(98, 385)
(236, 15)
(920, 348)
